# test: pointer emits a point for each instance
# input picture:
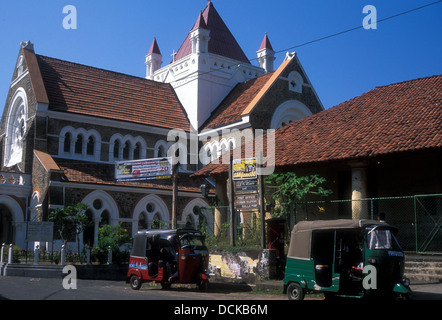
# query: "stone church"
(65, 125)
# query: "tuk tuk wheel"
(295, 291)
(135, 282)
(203, 285)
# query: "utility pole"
(174, 194)
(231, 203)
(262, 210)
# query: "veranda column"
(220, 214)
(359, 209)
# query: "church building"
(65, 125)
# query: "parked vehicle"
(356, 258)
(168, 256)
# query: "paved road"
(22, 288)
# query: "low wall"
(115, 272)
(245, 266)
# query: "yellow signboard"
(244, 169)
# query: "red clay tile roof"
(401, 117)
(85, 90)
(232, 107)
(222, 42)
(78, 171)
(243, 98)
(47, 161)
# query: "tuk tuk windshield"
(192, 241)
(382, 239)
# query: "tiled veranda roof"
(391, 119)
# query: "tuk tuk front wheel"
(135, 282)
(295, 291)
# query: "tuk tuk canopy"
(300, 241)
(139, 240)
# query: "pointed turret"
(266, 54)
(154, 59)
(200, 36)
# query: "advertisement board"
(244, 169)
(145, 169)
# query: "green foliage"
(113, 237)
(287, 188)
(70, 221)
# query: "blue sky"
(116, 35)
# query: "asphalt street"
(25, 288)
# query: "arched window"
(126, 150)
(153, 210)
(142, 221)
(137, 151)
(88, 233)
(117, 149)
(16, 128)
(67, 142)
(105, 218)
(102, 209)
(79, 144)
(198, 216)
(287, 112)
(90, 148)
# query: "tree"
(287, 188)
(70, 222)
(113, 237)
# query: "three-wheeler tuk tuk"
(345, 257)
(168, 256)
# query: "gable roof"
(232, 107)
(80, 89)
(391, 119)
(242, 99)
(222, 42)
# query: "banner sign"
(244, 169)
(40, 231)
(146, 169)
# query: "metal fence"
(419, 218)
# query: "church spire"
(266, 54)
(154, 59)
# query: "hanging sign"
(147, 169)
(245, 182)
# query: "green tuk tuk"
(344, 257)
